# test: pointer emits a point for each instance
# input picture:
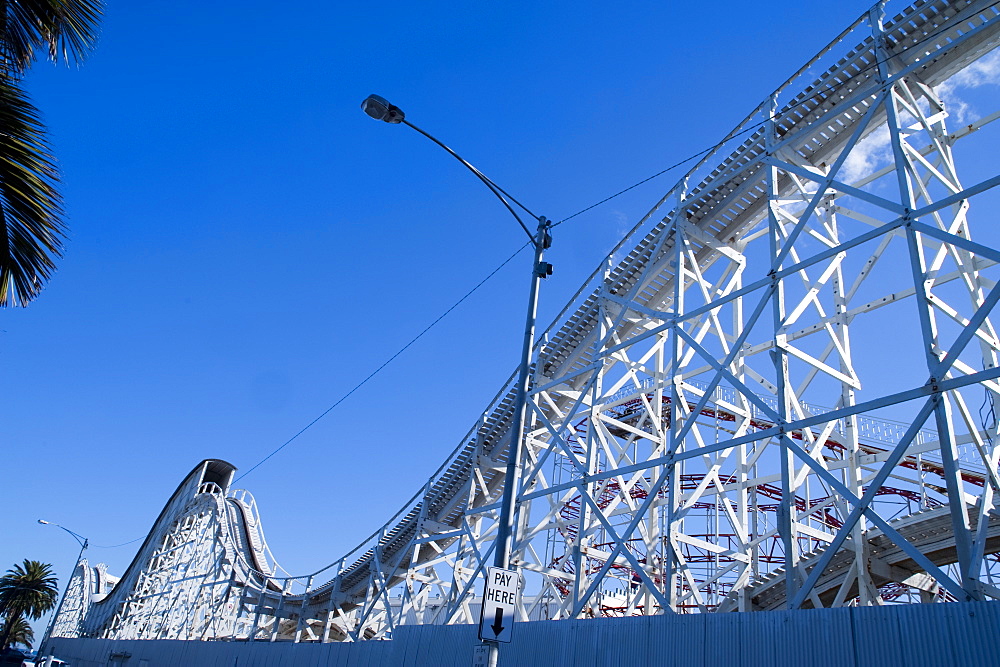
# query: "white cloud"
(983, 72)
(869, 155)
(621, 223)
(875, 151)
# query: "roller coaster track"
(676, 454)
(928, 530)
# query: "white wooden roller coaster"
(677, 455)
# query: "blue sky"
(246, 245)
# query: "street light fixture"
(380, 109)
(83, 542)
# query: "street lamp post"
(380, 109)
(83, 542)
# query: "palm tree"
(31, 215)
(20, 632)
(26, 591)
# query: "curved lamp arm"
(380, 109)
(80, 539)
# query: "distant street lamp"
(83, 542)
(380, 109)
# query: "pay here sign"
(496, 619)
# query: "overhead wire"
(114, 546)
(634, 186)
(387, 361)
(830, 88)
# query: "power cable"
(114, 546)
(387, 361)
(645, 180)
(750, 128)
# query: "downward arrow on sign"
(498, 622)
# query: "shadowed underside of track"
(928, 530)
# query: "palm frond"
(19, 631)
(73, 29)
(28, 590)
(67, 29)
(31, 225)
